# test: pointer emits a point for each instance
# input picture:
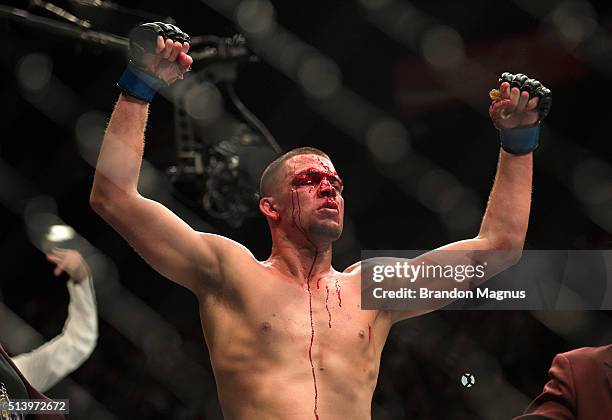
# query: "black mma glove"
(136, 80)
(523, 140)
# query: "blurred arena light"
(46, 229)
(34, 71)
(255, 17)
(442, 47)
(204, 103)
(574, 21)
(60, 233)
(388, 140)
(318, 76)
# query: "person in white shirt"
(46, 365)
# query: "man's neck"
(303, 262)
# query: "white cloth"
(46, 365)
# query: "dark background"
(566, 45)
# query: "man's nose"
(326, 189)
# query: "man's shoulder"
(229, 254)
(226, 245)
(353, 268)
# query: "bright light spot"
(575, 21)
(60, 233)
(387, 140)
(34, 71)
(442, 47)
(204, 103)
(319, 76)
(255, 16)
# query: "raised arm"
(516, 111)
(48, 364)
(166, 242)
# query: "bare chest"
(301, 338)
(312, 318)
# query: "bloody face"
(310, 197)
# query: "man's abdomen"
(270, 370)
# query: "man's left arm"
(516, 111)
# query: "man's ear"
(268, 208)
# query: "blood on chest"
(338, 324)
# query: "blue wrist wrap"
(139, 84)
(521, 140)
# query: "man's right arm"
(165, 241)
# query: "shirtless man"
(286, 336)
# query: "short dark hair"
(268, 175)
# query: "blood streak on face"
(320, 193)
(323, 164)
(314, 176)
